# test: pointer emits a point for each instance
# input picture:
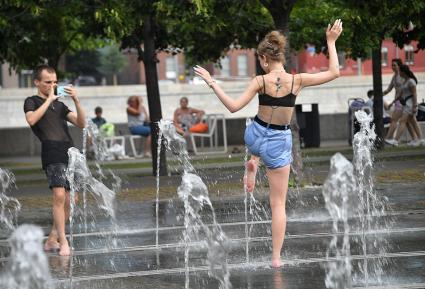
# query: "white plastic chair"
(111, 140)
(131, 139)
(211, 135)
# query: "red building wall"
(312, 62)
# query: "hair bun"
(273, 46)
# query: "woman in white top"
(138, 121)
(408, 98)
(396, 83)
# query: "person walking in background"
(408, 98)
(396, 83)
(138, 121)
(48, 117)
(269, 136)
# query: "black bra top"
(285, 101)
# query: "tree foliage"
(34, 32)
(112, 61)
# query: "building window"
(225, 66)
(171, 67)
(384, 56)
(242, 65)
(341, 60)
(25, 78)
(409, 54)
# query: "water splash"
(194, 194)
(349, 193)
(372, 206)
(247, 233)
(97, 146)
(81, 180)
(28, 267)
(339, 192)
(158, 163)
(9, 206)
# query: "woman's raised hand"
(334, 31)
(203, 73)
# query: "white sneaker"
(392, 142)
(414, 143)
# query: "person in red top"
(48, 117)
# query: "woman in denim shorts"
(268, 137)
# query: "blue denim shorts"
(143, 130)
(273, 146)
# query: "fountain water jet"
(9, 206)
(194, 194)
(339, 192)
(28, 267)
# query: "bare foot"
(251, 171)
(64, 249)
(276, 263)
(51, 245)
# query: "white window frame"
(384, 56)
(409, 53)
(225, 66)
(341, 59)
(242, 65)
(171, 67)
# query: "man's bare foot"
(251, 171)
(276, 263)
(64, 249)
(51, 245)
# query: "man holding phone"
(48, 119)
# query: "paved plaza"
(128, 255)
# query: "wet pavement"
(127, 256)
(132, 253)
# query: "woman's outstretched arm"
(232, 105)
(332, 34)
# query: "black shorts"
(56, 176)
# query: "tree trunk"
(377, 97)
(149, 60)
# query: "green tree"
(366, 25)
(112, 62)
(34, 32)
(203, 32)
(376, 20)
(83, 62)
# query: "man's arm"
(33, 117)
(79, 118)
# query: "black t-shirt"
(51, 130)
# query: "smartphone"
(60, 90)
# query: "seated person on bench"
(138, 121)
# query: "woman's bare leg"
(395, 116)
(147, 147)
(401, 126)
(413, 122)
(278, 182)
